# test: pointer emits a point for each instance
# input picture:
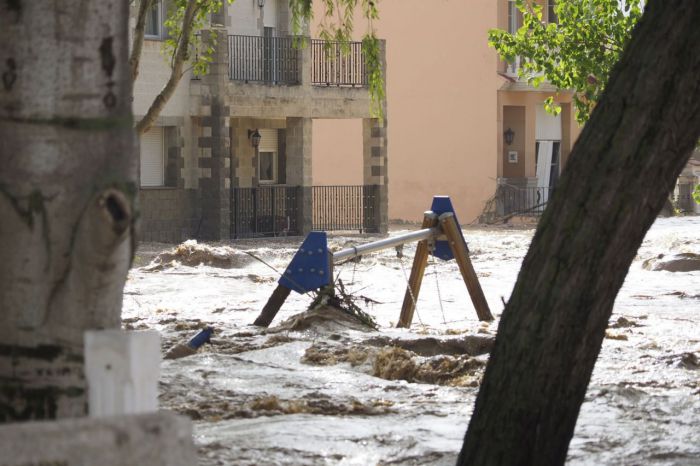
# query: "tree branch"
(139, 32)
(177, 71)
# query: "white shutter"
(268, 140)
(270, 14)
(152, 166)
(547, 126)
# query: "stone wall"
(169, 215)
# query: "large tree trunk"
(67, 194)
(619, 175)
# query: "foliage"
(337, 25)
(576, 53)
(696, 193)
(198, 53)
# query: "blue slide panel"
(310, 267)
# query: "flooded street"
(322, 389)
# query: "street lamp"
(254, 136)
(508, 136)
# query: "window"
(515, 17)
(152, 158)
(267, 155)
(154, 20)
(551, 14)
(267, 167)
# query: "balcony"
(281, 61)
(330, 66)
(272, 60)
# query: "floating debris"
(192, 254)
(683, 262)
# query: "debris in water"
(622, 322)
(191, 347)
(323, 354)
(192, 254)
(684, 262)
(325, 318)
(472, 345)
(393, 363)
(615, 336)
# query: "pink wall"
(442, 106)
(337, 152)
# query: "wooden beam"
(273, 306)
(417, 271)
(459, 249)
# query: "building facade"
(230, 155)
(451, 101)
(533, 145)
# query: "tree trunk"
(67, 195)
(619, 175)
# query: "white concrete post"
(122, 370)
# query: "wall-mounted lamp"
(261, 3)
(254, 136)
(508, 136)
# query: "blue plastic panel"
(310, 267)
(204, 336)
(442, 204)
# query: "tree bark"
(178, 64)
(619, 175)
(67, 195)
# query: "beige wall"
(442, 105)
(153, 74)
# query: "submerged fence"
(515, 200)
(265, 211)
(346, 208)
(276, 210)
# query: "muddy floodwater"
(318, 388)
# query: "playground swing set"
(311, 267)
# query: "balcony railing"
(512, 68)
(273, 60)
(330, 66)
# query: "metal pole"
(374, 246)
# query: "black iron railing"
(265, 211)
(515, 200)
(330, 66)
(345, 208)
(272, 60)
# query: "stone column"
(214, 143)
(298, 140)
(376, 180)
